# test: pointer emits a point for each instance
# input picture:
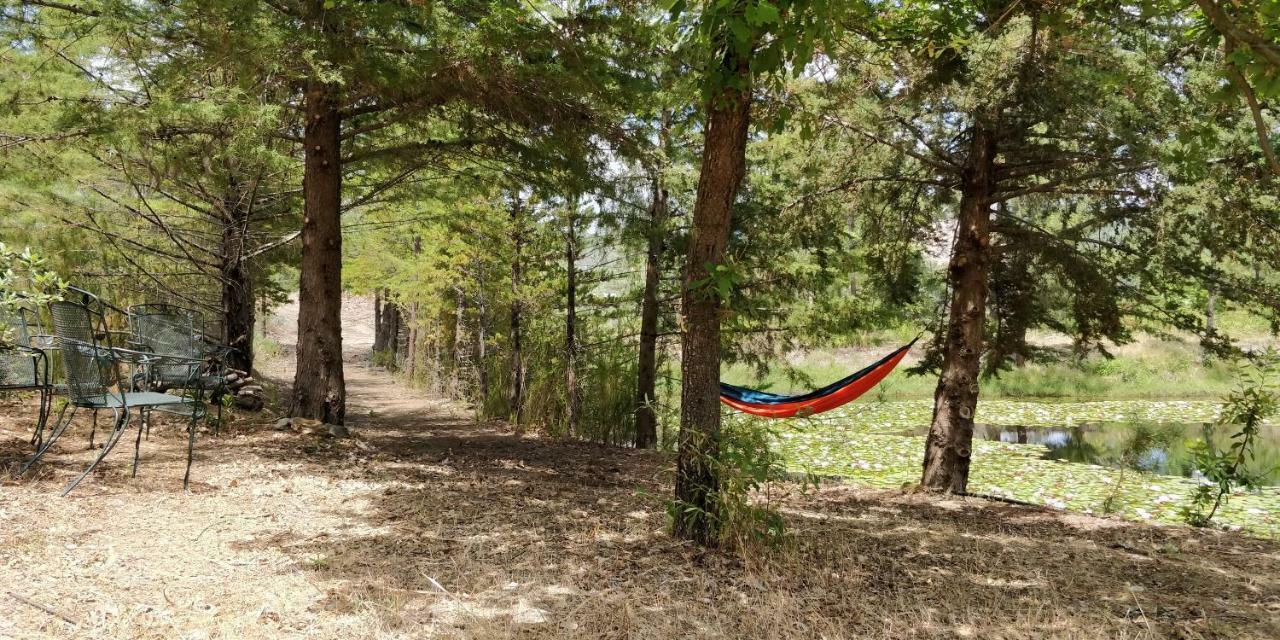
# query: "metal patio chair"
(92, 367)
(170, 330)
(24, 366)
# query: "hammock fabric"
(772, 405)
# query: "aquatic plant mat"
(868, 444)
(427, 524)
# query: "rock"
(231, 377)
(254, 388)
(249, 403)
(337, 431)
(284, 424)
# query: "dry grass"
(430, 525)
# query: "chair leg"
(146, 424)
(94, 431)
(144, 415)
(217, 424)
(122, 421)
(58, 428)
(191, 444)
(42, 418)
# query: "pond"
(1161, 448)
(1129, 458)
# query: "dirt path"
(428, 524)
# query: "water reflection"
(1155, 448)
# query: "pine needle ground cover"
(428, 524)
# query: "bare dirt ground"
(429, 524)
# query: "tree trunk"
(517, 358)
(723, 167)
(237, 290)
(574, 394)
(482, 346)
(950, 441)
(318, 388)
(647, 363)
(387, 320)
(460, 343)
(411, 352)
(393, 318)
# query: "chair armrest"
(146, 357)
(43, 341)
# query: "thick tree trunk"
(723, 167)
(572, 391)
(950, 441)
(647, 362)
(237, 291)
(517, 357)
(318, 388)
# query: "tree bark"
(318, 387)
(237, 290)
(482, 346)
(517, 357)
(723, 167)
(386, 324)
(574, 394)
(411, 347)
(646, 436)
(950, 442)
(411, 352)
(460, 351)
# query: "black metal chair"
(92, 367)
(23, 365)
(170, 330)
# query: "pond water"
(1161, 448)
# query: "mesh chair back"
(167, 330)
(86, 365)
(17, 365)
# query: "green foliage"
(746, 469)
(25, 282)
(1224, 470)
(774, 37)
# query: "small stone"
(249, 403)
(284, 424)
(337, 431)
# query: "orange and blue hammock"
(840, 392)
